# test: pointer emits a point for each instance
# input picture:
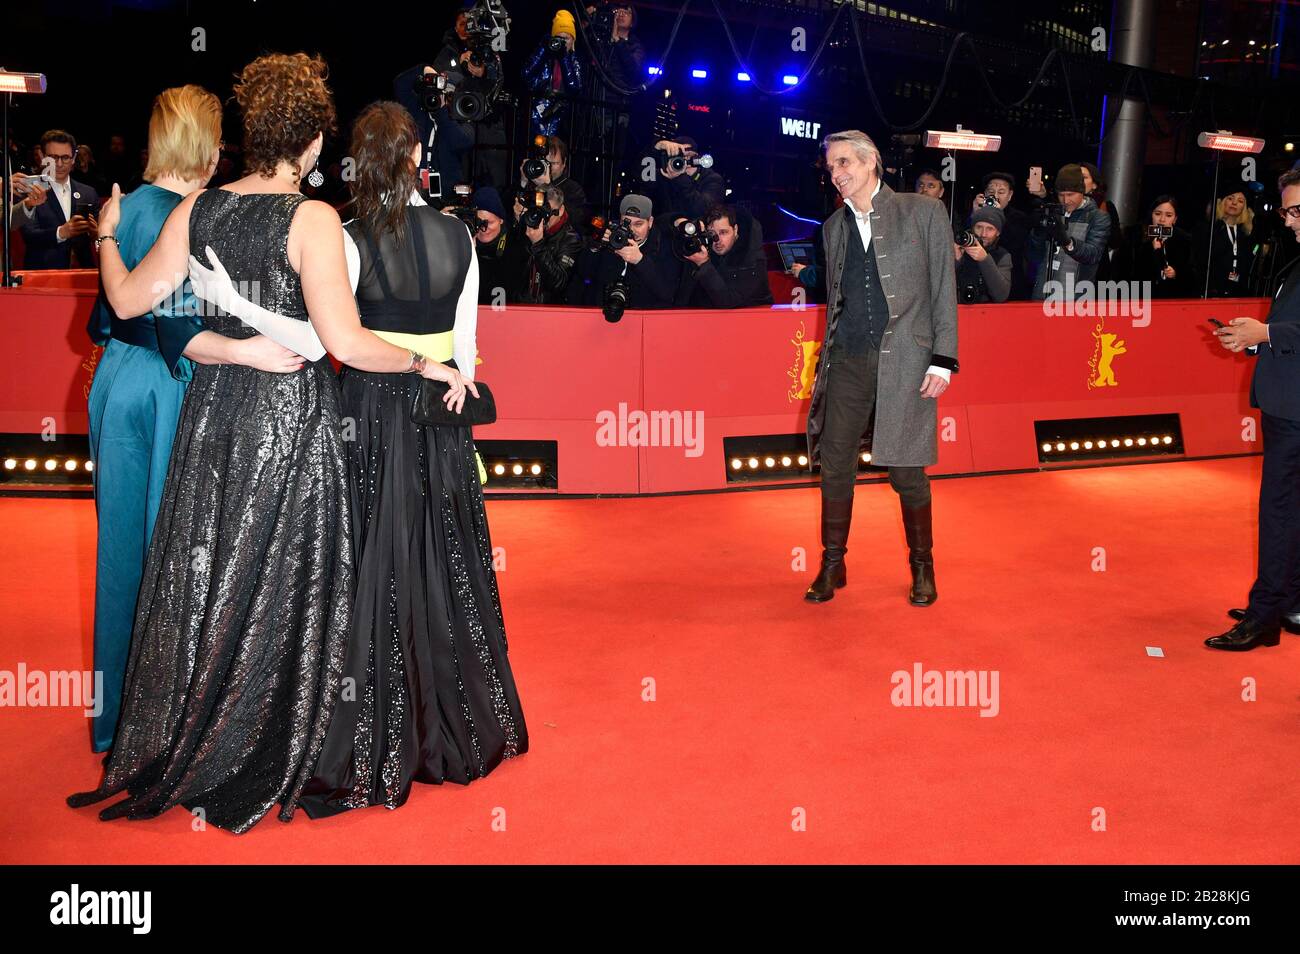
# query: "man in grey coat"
(890, 348)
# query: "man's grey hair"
(555, 195)
(862, 145)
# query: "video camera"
(464, 210)
(691, 236)
(483, 22)
(1051, 216)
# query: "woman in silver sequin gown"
(435, 697)
(244, 613)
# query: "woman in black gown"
(244, 612)
(435, 698)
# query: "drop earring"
(317, 178)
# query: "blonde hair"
(184, 129)
(1247, 217)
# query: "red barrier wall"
(560, 373)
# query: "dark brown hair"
(285, 103)
(383, 138)
(1288, 179)
(58, 135)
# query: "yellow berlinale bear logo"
(1101, 372)
(803, 372)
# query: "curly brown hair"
(285, 103)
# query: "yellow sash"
(435, 347)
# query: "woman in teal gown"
(135, 398)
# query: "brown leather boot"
(920, 540)
(836, 516)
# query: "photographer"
(552, 168)
(553, 247)
(445, 156)
(503, 259)
(1001, 187)
(983, 267)
(642, 257)
(616, 50)
(1070, 239)
(1160, 253)
(682, 185)
(551, 74)
(468, 48)
(729, 269)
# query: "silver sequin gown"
(245, 606)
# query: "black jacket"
(1137, 261)
(1219, 262)
(689, 195)
(551, 263)
(652, 282)
(503, 268)
(1275, 385)
(735, 280)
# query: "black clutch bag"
(429, 407)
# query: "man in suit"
(1275, 390)
(890, 348)
(56, 235)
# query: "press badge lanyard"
(1232, 237)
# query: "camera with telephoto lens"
(966, 238)
(433, 89)
(536, 209)
(691, 236)
(678, 163)
(536, 165)
(557, 46)
(1160, 231)
(614, 301)
(620, 235)
(464, 210)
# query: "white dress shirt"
(62, 193)
(863, 221)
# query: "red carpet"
(766, 704)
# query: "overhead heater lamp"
(1225, 141)
(962, 139)
(11, 83)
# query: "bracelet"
(100, 240)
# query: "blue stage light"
(743, 77)
(700, 74)
(789, 80)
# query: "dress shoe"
(1290, 621)
(920, 540)
(836, 517)
(1247, 634)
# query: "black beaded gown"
(434, 699)
(244, 609)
